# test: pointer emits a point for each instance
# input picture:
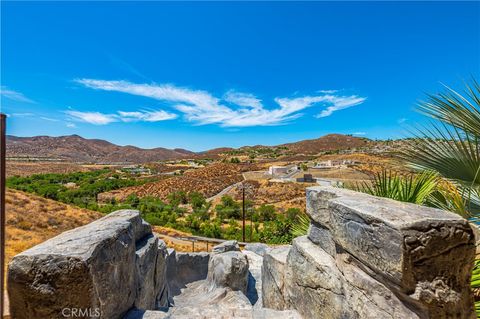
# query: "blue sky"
(204, 75)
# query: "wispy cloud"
(147, 116)
(341, 103)
(243, 99)
(402, 120)
(14, 95)
(27, 114)
(98, 118)
(49, 119)
(234, 109)
(70, 125)
(359, 133)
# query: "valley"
(193, 194)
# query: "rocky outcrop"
(221, 295)
(363, 257)
(273, 280)
(104, 268)
(229, 269)
(368, 257)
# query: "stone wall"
(369, 257)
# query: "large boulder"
(229, 269)
(319, 286)
(423, 254)
(94, 268)
(273, 277)
(392, 237)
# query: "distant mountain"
(328, 142)
(78, 149)
(75, 148)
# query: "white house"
(281, 170)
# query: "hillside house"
(282, 170)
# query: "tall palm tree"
(450, 145)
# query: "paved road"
(223, 192)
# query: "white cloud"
(359, 133)
(71, 125)
(98, 118)
(14, 95)
(22, 114)
(341, 103)
(234, 109)
(49, 119)
(147, 116)
(243, 99)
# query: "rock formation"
(107, 266)
(363, 257)
(368, 257)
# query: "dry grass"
(168, 236)
(14, 168)
(32, 219)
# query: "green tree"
(266, 212)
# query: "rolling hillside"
(74, 148)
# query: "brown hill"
(329, 142)
(32, 219)
(78, 149)
(74, 148)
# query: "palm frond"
(460, 111)
(414, 188)
(300, 227)
(450, 152)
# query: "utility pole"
(248, 189)
(243, 214)
(3, 145)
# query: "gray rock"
(212, 312)
(161, 286)
(229, 245)
(221, 294)
(229, 269)
(265, 313)
(322, 237)
(93, 266)
(405, 243)
(184, 268)
(146, 260)
(319, 286)
(254, 287)
(273, 273)
(257, 248)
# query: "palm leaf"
(460, 111)
(300, 227)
